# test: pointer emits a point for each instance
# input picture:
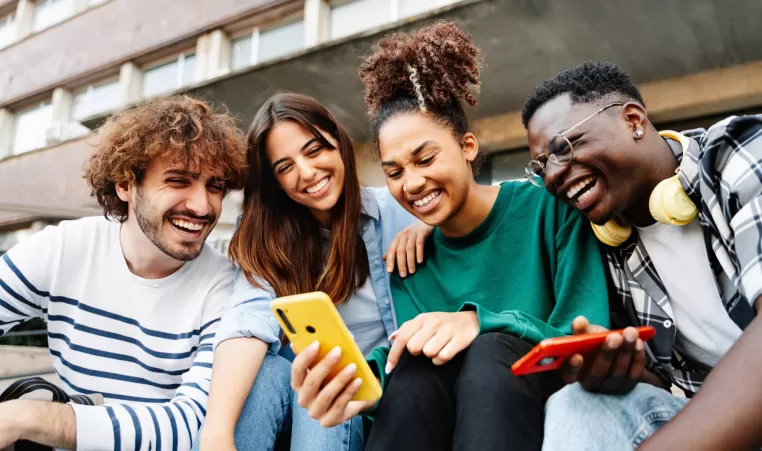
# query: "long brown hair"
(278, 240)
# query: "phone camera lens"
(546, 361)
(310, 329)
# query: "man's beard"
(151, 222)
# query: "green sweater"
(528, 270)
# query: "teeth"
(187, 225)
(425, 200)
(578, 186)
(583, 196)
(320, 185)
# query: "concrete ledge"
(22, 361)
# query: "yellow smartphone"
(307, 317)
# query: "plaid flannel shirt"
(722, 174)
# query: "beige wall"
(369, 165)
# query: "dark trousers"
(473, 402)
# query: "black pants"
(473, 402)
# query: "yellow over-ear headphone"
(668, 204)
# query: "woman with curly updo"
(506, 267)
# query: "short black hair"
(588, 82)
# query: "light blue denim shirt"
(249, 313)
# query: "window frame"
(47, 102)
(88, 91)
(394, 12)
(178, 58)
(9, 20)
(254, 34)
(71, 13)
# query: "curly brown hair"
(442, 57)
(179, 128)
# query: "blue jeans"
(272, 409)
(578, 420)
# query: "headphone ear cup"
(612, 233)
(669, 204)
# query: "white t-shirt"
(145, 345)
(363, 318)
(705, 331)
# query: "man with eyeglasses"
(679, 217)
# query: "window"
(97, 98)
(263, 45)
(355, 16)
(51, 12)
(504, 166)
(280, 41)
(359, 15)
(31, 126)
(7, 30)
(166, 77)
(242, 55)
(409, 8)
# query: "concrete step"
(19, 361)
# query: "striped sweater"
(145, 345)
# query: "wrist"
(20, 420)
(472, 316)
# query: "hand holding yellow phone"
(309, 317)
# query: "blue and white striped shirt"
(145, 345)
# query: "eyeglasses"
(559, 151)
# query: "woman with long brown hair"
(307, 225)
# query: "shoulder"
(89, 226)
(213, 267)
(731, 150)
(536, 198)
(730, 133)
(379, 203)
(73, 235)
(376, 194)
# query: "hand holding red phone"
(616, 367)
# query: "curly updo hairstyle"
(431, 70)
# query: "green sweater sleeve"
(377, 362)
(514, 322)
(579, 281)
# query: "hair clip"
(417, 87)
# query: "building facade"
(66, 64)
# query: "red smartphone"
(551, 353)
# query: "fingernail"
(389, 269)
(335, 352)
(350, 369)
(314, 346)
(393, 335)
(639, 345)
(357, 382)
(403, 274)
(388, 368)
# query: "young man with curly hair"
(678, 217)
(132, 299)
